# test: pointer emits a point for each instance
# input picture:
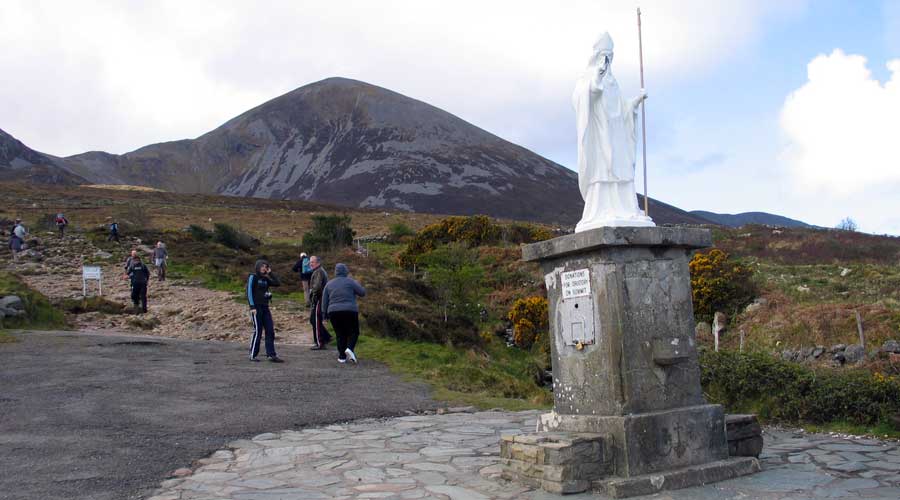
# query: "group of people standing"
(328, 300)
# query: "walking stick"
(643, 115)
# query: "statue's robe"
(606, 153)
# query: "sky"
(789, 107)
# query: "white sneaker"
(342, 360)
(350, 354)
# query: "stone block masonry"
(558, 463)
(625, 368)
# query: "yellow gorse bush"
(719, 284)
(530, 320)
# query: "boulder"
(854, 353)
(845, 271)
(891, 346)
(806, 352)
(818, 351)
(837, 348)
(12, 302)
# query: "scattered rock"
(818, 351)
(182, 472)
(845, 271)
(12, 302)
(891, 346)
(100, 254)
(803, 289)
(854, 353)
(837, 348)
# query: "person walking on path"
(17, 239)
(129, 260)
(302, 266)
(317, 282)
(113, 232)
(160, 260)
(61, 223)
(339, 303)
(140, 277)
(258, 295)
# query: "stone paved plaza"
(455, 456)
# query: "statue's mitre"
(603, 44)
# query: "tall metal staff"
(643, 116)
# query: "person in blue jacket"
(258, 295)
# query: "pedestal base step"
(695, 475)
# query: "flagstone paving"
(456, 455)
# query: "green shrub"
(233, 238)
(399, 231)
(39, 313)
(199, 233)
(328, 232)
(456, 275)
(782, 391)
(456, 331)
(719, 283)
(473, 231)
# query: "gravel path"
(99, 417)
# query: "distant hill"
(738, 220)
(348, 143)
(19, 162)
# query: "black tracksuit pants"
(262, 320)
(346, 328)
(139, 295)
(321, 337)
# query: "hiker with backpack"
(61, 223)
(113, 232)
(140, 277)
(302, 267)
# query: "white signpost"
(91, 273)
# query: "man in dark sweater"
(140, 276)
(258, 295)
(317, 282)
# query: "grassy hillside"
(809, 285)
(812, 283)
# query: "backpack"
(61, 221)
(114, 227)
(306, 268)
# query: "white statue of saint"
(606, 145)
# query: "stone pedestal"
(625, 363)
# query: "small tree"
(847, 224)
(454, 272)
(328, 232)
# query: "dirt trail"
(176, 308)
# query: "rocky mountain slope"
(19, 162)
(353, 144)
(738, 220)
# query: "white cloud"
(117, 75)
(841, 127)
